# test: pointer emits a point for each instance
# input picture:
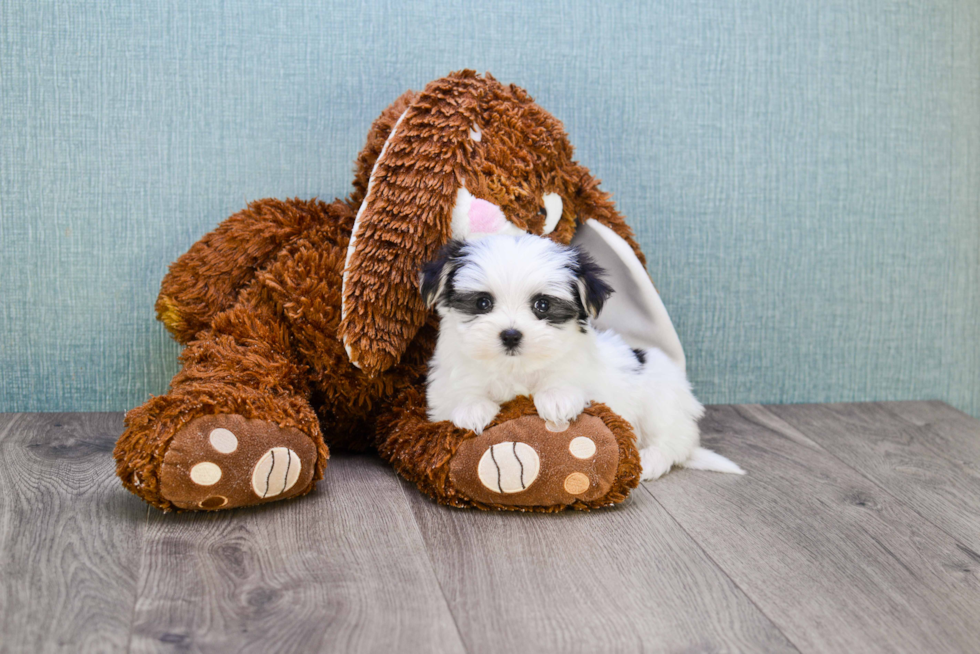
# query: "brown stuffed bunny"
(304, 326)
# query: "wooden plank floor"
(857, 529)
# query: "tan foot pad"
(524, 463)
(224, 461)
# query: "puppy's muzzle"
(511, 338)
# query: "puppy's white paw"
(654, 463)
(475, 416)
(560, 405)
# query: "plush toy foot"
(226, 461)
(522, 462)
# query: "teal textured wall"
(804, 176)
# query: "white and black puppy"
(516, 320)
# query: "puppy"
(516, 317)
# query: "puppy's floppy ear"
(406, 216)
(590, 287)
(432, 281)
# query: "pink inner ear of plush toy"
(485, 217)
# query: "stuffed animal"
(305, 329)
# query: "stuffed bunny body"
(305, 329)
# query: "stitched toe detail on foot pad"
(276, 472)
(225, 461)
(509, 467)
(524, 463)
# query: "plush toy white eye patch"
(553, 207)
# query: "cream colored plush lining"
(635, 310)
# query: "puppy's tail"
(705, 459)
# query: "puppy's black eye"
(541, 305)
(484, 303)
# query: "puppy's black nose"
(510, 338)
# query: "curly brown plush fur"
(307, 315)
(406, 219)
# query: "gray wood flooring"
(857, 529)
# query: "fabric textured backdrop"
(804, 176)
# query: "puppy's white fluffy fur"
(488, 290)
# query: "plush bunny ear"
(404, 219)
(635, 310)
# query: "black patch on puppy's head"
(589, 288)
(436, 278)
